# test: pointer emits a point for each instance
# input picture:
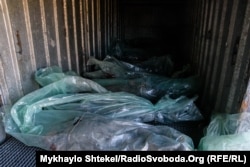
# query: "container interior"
(212, 36)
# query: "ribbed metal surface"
(220, 52)
(42, 33)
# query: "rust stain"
(19, 42)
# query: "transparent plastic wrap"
(47, 75)
(22, 111)
(177, 110)
(227, 132)
(114, 105)
(111, 67)
(95, 132)
(74, 113)
(153, 87)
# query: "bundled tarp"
(47, 75)
(111, 67)
(153, 87)
(149, 86)
(97, 133)
(167, 109)
(78, 114)
(227, 132)
(72, 96)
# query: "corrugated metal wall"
(40, 33)
(220, 52)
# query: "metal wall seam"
(58, 51)
(65, 11)
(201, 25)
(45, 32)
(84, 59)
(99, 30)
(105, 25)
(115, 19)
(4, 91)
(223, 80)
(108, 25)
(214, 40)
(87, 33)
(194, 27)
(111, 21)
(76, 56)
(93, 28)
(13, 55)
(203, 37)
(215, 72)
(197, 36)
(119, 19)
(71, 37)
(207, 38)
(29, 34)
(241, 63)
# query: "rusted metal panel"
(67, 32)
(11, 86)
(205, 20)
(194, 26)
(33, 15)
(207, 37)
(196, 43)
(49, 12)
(206, 99)
(59, 29)
(227, 67)
(77, 35)
(224, 73)
(50, 32)
(241, 69)
(217, 62)
(20, 49)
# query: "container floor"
(14, 153)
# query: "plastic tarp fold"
(153, 87)
(95, 132)
(22, 111)
(64, 115)
(149, 86)
(227, 132)
(48, 75)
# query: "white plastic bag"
(227, 132)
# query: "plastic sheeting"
(45, 76)
(111, 67)
(227, 132)
(165, 110)
(95, 132)
(149, 86)
(50, 99)
(65, 116)
(153, 87)
(22, 110)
